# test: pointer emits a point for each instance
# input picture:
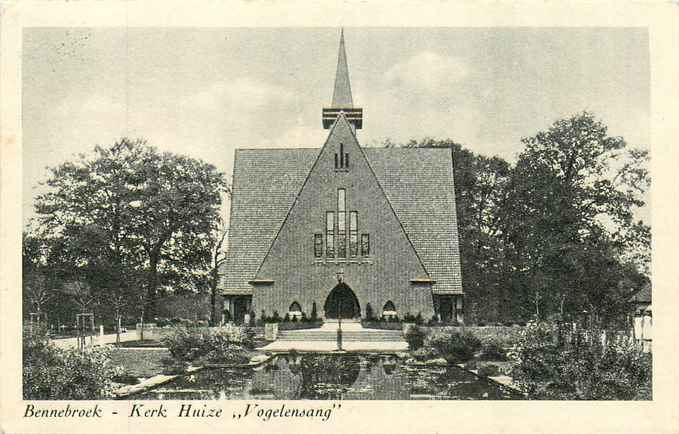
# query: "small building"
(343, 229)
(642, 317)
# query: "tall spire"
(342, 101)
(341, 96)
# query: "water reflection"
(347, 376)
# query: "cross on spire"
(342, 100)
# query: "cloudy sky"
(205, 92)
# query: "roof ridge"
(274, 149)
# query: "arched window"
(295, 310)
(389, 310)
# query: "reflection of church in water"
(330, 377)
(346, 228)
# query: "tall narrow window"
(341, 159)
(341, 224)
(365, 244)
(318, 245)
(353, 233)
(330, 234)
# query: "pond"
(341, 376)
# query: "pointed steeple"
(342, 101)
(341, 96)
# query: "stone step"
(354, 336)
(345, 339)
(346, 334)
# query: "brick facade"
(384, 275)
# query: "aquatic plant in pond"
(329, 376)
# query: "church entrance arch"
(342, 303)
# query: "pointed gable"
(292, 248)
(418, 182)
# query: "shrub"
(415, 337)
(314, 312)
(183, 343)
(286, 318)
(299, 325)
(456, 347)
(381, 325)
(65, 374)
(424, 353)
(276, 317)
(577, 368)
(189, 345)
(489, 370)
(369, 314)
(492, 350)
(418, 319)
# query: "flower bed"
(299, 325)
(506, 336)
(382, 325)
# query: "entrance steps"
(364, 335)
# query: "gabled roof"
(643, 295)
(417, 182)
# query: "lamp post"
(340, 279)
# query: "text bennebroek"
(63, 412)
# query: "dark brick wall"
(384, 275)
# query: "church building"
(349, 229)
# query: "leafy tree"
(37, 291)
(569, 219)
(128, 209)
(555, 234)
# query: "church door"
(341, 302)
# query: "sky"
(206, 92)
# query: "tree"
(129, 208)
(37, 292)
(218, 258)
(569, 218)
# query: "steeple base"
(353, 115)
